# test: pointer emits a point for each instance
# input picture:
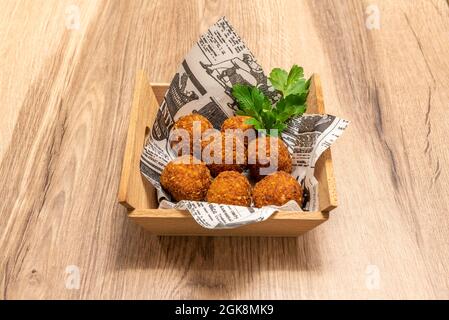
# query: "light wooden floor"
(65, 102)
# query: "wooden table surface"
(67, 72)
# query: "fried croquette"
(230, 187)
(277, 189)
(238, 123)
(223, 152)
(182, 135)
(267, 162)
(186, 178)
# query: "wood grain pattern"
(134, 191)
(66, 101)
(179, 222)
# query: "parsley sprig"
(264, 116)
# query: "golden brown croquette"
(232, 156)
(187, 123)
(230, 187)
(238, 123)
(277, 189)
(268, 161)
(186, 178)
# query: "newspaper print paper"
(203, 84)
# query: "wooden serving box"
(139, 196)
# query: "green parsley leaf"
(289, 83)
(257, 125)
(242, 93)
(252, 101)
(278, 78)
